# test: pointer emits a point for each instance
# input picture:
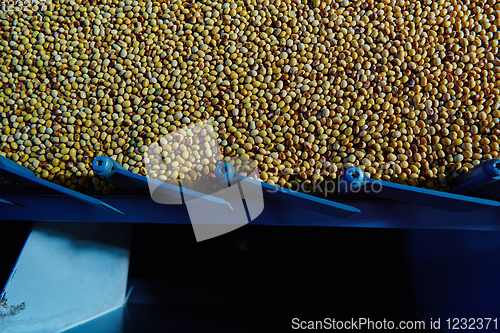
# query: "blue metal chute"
(106, 167)
(226, 174)
(483, 180)
(354, 180)
(20, 174)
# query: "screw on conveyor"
(482, 179)
(111, 170)
(354, 180)
(20, 174)
(227, 174)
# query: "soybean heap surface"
(407, 90)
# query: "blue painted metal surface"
(456, 274)
(226, 174)
(147, 211)
(374, 214)
(108, 168)
(20, 174)
(112, 322)
(482, 181)
(7, 202)
(54, 251)
(66, 274)
(485, 173)
(354, 180)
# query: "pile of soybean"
(408, 90)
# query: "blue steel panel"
(485, 173)
(355, 180)
(482, 181)
(108, 168)
(20, 174)
(283, 207)
(111, 170)
(374, 214)
(66, 274)
(226, 174)
(455, 274)
(7, 202)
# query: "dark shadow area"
(12, 238)
(149, 318)
(267, 275)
